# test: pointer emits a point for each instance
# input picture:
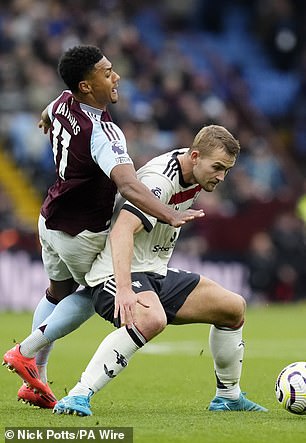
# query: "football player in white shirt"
(142, 294)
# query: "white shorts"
(66, 257)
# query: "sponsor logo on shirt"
(159, 248)
(121, 160)
(166, 248)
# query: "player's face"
(104, 83)
(210, 170)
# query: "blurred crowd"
(182, 65)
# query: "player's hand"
(125, 307)
(44, 125)
(182, 217)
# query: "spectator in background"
(262, 264)
(288, 236)
(281, 29)
(263, 169)
(6, 211)
(298, 122)
(301, 206)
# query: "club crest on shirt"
(157, 192)
(117, 147)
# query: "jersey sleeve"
(161, 187)
(108, 146)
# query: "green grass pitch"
(164, 392)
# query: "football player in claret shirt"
(92, 163)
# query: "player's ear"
(84, 87)
(195, 154)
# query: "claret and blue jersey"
(86, 145)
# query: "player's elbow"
(129, 190)
(130, 187)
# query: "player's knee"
(58, 290)
(159, 322)
(238, 311)
(155, 322)
(53, 297)
(233, 315)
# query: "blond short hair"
(214, 137)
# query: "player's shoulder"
(166, 164)
(112, 130)
(62, 97)
(109, 133)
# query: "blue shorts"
(172, 290)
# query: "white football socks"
(227, 348)
(33, 343)
(42, 358)
(111, 357)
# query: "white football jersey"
(153, 245)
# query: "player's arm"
(122, 245)
(45, 121)
(137, 193)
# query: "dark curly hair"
(76, 63)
